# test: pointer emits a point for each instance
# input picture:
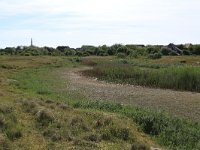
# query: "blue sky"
(98, 22)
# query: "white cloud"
(99, 21)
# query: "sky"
(97, 22)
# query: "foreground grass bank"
(45, 83)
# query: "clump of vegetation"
(5, 109)
(3, 142)
(9, 125)
(14, 133)
(139, 146)
(44, 117)
(181, 77)
(29, 106)
(155, 56)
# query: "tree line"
(152, 51)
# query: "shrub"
(122, 49)
(121, 55)
(186, 52)
(134, 54)
(155, 56)
(165, 51)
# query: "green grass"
(172, 132)
(40, 110)
(169, 131)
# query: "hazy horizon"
(97, 22)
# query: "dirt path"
(186, 104)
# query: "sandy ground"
(184, 104)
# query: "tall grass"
(175, 77)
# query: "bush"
(134, 54)
(165, 51)
(121, 55)
(186, 52)
(122, 49)
(155, 56)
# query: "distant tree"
(122, 49)
(113, 49)
(152, 50)
(62, 48)
(10, 50)
(196, 49)
(181, 46)
(165, 51)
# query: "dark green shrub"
(121, 55)
(152, 50)
(122, 49)
(186, 52)
(165, 51)
(134, 54)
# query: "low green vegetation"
(172, 132)
(122, 51)
(43, 107)
(36, 111)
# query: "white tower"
(31, 42)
